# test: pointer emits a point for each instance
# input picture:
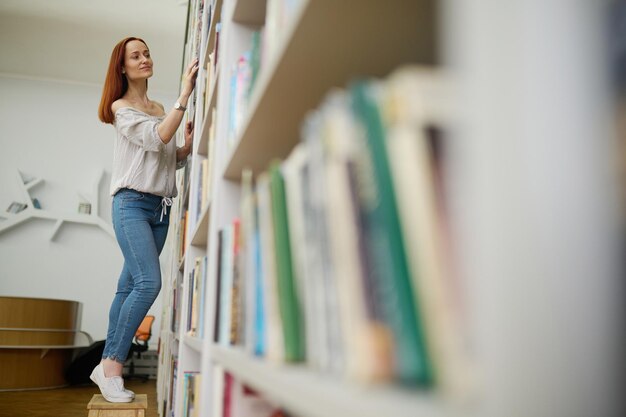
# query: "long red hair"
(115, 84)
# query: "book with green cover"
(389, 267)
(287, 295)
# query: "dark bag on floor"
(87, 358)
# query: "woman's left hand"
(189, 134)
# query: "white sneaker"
(127, 391)
(120, 382)
(112, 389)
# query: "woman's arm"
(167, 128)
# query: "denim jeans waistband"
(123, 191)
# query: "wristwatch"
(179, 106)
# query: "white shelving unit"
(530, 196)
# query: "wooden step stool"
(99, 407)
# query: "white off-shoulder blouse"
(141, 160)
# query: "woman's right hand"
(190, 77)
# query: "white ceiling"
(73, 39)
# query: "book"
(366, 340)
(197, 278)
(328, 350)
(416, 108)
(196, 396)
(190, 401)
(253, 321)
(218, 287)
(229, 387)
(201, 265)
(190, 303)
(226, 284)
(236, 302)
(16, 207)
(255, 61)
(274, 348)
(249, 403)
(287, 294)
(218, 387)
(389, 267)
(84, 208)
(293, 173)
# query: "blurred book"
(84, 208)
(16, 207)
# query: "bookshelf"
(510, 210)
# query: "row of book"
(196, 297)
(196, 25)
(176, 291)
(342, 255)
(206, 85)
(244, 73)
(193, 44)
(279, 15)
(231, 399)
(234, 399)
(182, 234)
(192, 383)
(208, 82)
(243, 76)
(188, 215)
(168, 367)
(204, 180)
(198, 38)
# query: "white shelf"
(33, 183)
(358, 38)
(201, 229)
(193, 342)
(307, 393)
(15, 219)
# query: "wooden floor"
(65, 402)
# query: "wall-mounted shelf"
(15, 219)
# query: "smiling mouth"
(145, 68)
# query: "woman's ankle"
(111, 368)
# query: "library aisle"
(395, 208)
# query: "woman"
(143, 182)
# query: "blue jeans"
(141, 234)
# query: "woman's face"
(137, 61)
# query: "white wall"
(73, 39)
(50, 129)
